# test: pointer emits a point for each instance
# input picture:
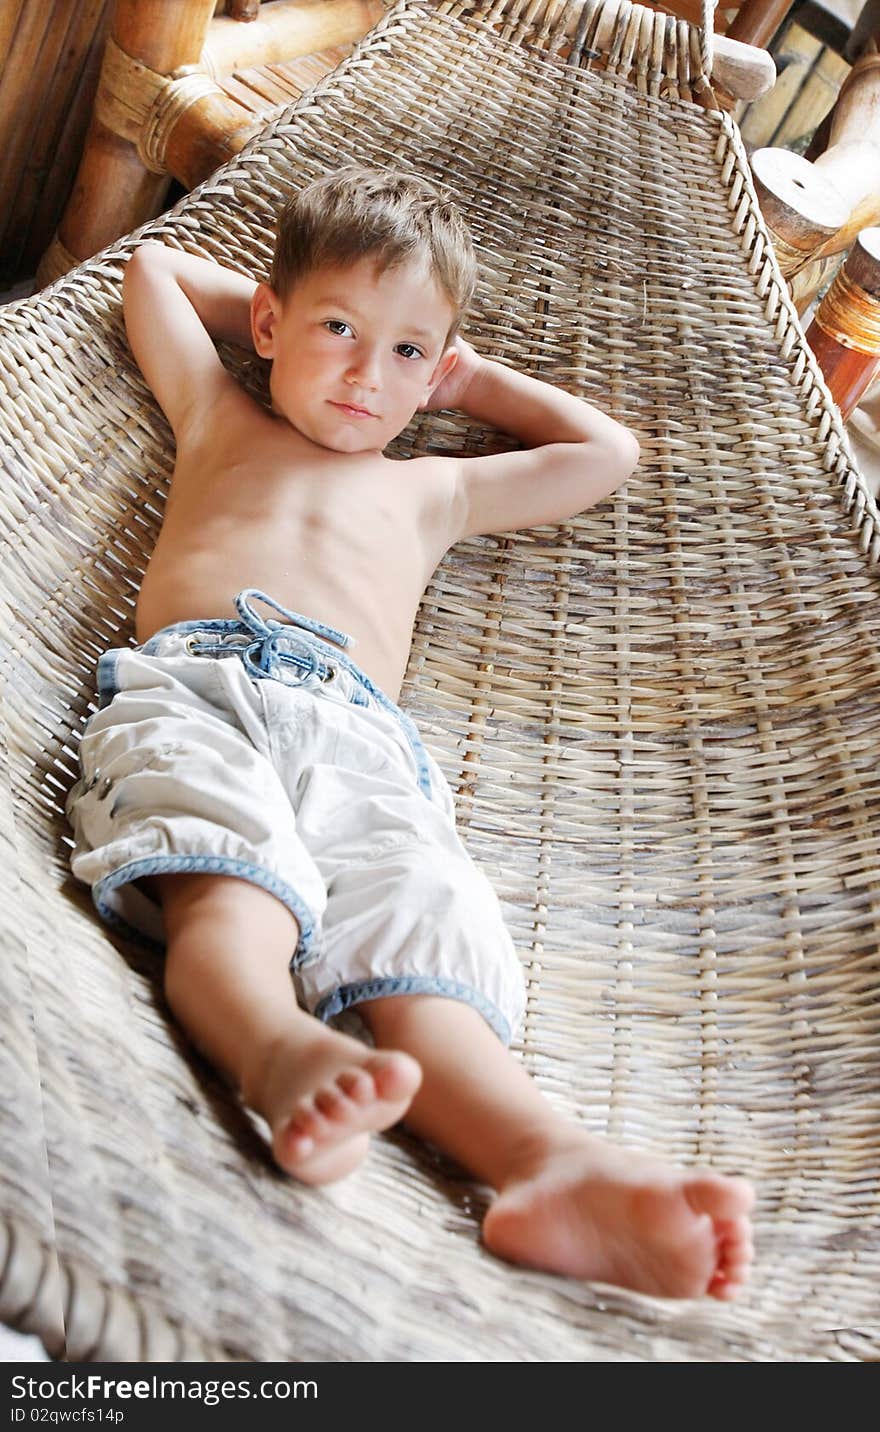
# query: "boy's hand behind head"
(451, 391)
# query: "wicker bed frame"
(659, 720)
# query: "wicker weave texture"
(659, 721)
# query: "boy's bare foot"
(324, 1097)
(613, 1216)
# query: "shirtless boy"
(258, 802)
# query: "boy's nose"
(364, 371)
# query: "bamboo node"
(173, 99)
(126, 92)
(143, 106)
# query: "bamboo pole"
(160, 112)
(10, 16)
(244, 9)
(57, 140)
(162, 34)
(852, 160)
(19, 96)
(208, 133)
(113, 193)
(115, 190)
(845, 332)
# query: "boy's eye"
(336, 325)
(409, 350)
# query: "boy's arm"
(575, 455)
(175, 305)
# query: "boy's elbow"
(623, 457)
(613, 458)
(633, 452)
(146, 258)
(137, 266)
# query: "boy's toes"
(327, 1133)
(396, 1076)
(304, 1120)
(734, 1258)
(333, 1104)
(357, 1085)
(735, 1249)
(386, 1079)
(297, 1145)
(722, 1198)
(725, 1289)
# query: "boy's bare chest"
(364, 503)
(350, 540)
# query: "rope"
(707, 31)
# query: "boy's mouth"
(352, 409)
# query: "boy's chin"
(344, 443)
(344, 439)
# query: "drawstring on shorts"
(276, 652)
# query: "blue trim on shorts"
(207, 865)
(108, 686)
(383, 987)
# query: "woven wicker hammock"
(660, 722)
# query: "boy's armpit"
(441, 501)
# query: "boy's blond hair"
(387, 214)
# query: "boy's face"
(354, 351)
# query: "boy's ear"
(265, 311)
(445, 364)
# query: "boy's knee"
(389, 1017)
(236, 905)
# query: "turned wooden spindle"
(814, 210)
(845, 332)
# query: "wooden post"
(756, 21)
(803, 210)
(851, 161)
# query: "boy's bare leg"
(567, 1201)
(227, 980)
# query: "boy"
(243, 774)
